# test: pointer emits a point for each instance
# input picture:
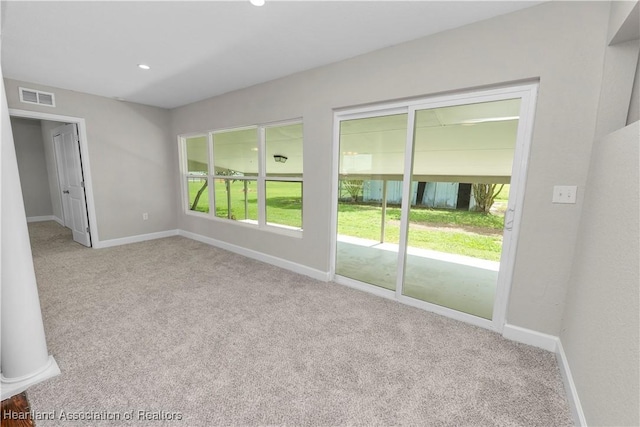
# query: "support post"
(246, 204)
(384, 210)
(23, 356)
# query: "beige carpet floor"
(176, 325)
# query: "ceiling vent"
(31, 96)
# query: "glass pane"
(462, 161)
(235, 153)
(370, 193)
(198, 194)
(236, 200)
(284, 203)
(283, 150)
(197, 155)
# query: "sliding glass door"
(371, 164)
(422, 194)
(462, 157)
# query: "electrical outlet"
(145, 216)
(564, 194)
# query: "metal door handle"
(65, 192)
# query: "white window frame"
(261, 179)
(527, 92)
(185, 175)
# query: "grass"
(283, 201)
(445, 233)
(458, 232)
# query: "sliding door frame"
(527, 94)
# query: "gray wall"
(600, 327)
(27, 136)
(133, 160)
(52, 167)
(561, 43)
(133, 155)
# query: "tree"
(227, 182)
(354, 187)
(196, 200)
(485, 195)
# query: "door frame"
(84, 160)
(528, 94)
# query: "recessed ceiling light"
(144, 66)
(257, 2)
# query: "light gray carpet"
(176, 325)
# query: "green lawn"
(504, 194)
(284, 201)
(364, 221)
(435, 229)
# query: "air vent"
(31, 96)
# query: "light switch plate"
(564, 194)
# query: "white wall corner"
(269, 259)
(570, 387)
(133, 239)
(530, 337)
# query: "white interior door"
(63, 181)
(67, 146)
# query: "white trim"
(413, 302)
(405, 206)
(570, 387)
(364, 287)
(527, 92)
(530, 337)
(135, 239)
(12, 386)
(249, 253)
(448, 312)
(58, 220)
(528, 99)
(84, 155)
(553, 344)
(42, 218)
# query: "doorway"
(428, 196)
(69, 179)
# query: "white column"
(24, 358)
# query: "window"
(251, 175)
(235, 156)
(197, 167)
(283, 186)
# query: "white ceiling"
(199, 49)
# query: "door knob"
(65, 192)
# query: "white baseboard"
(531, 337)
(570, 387)
(553, 344)
(134, 239)
(58, 220)
(249, 253)
(41, 218)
